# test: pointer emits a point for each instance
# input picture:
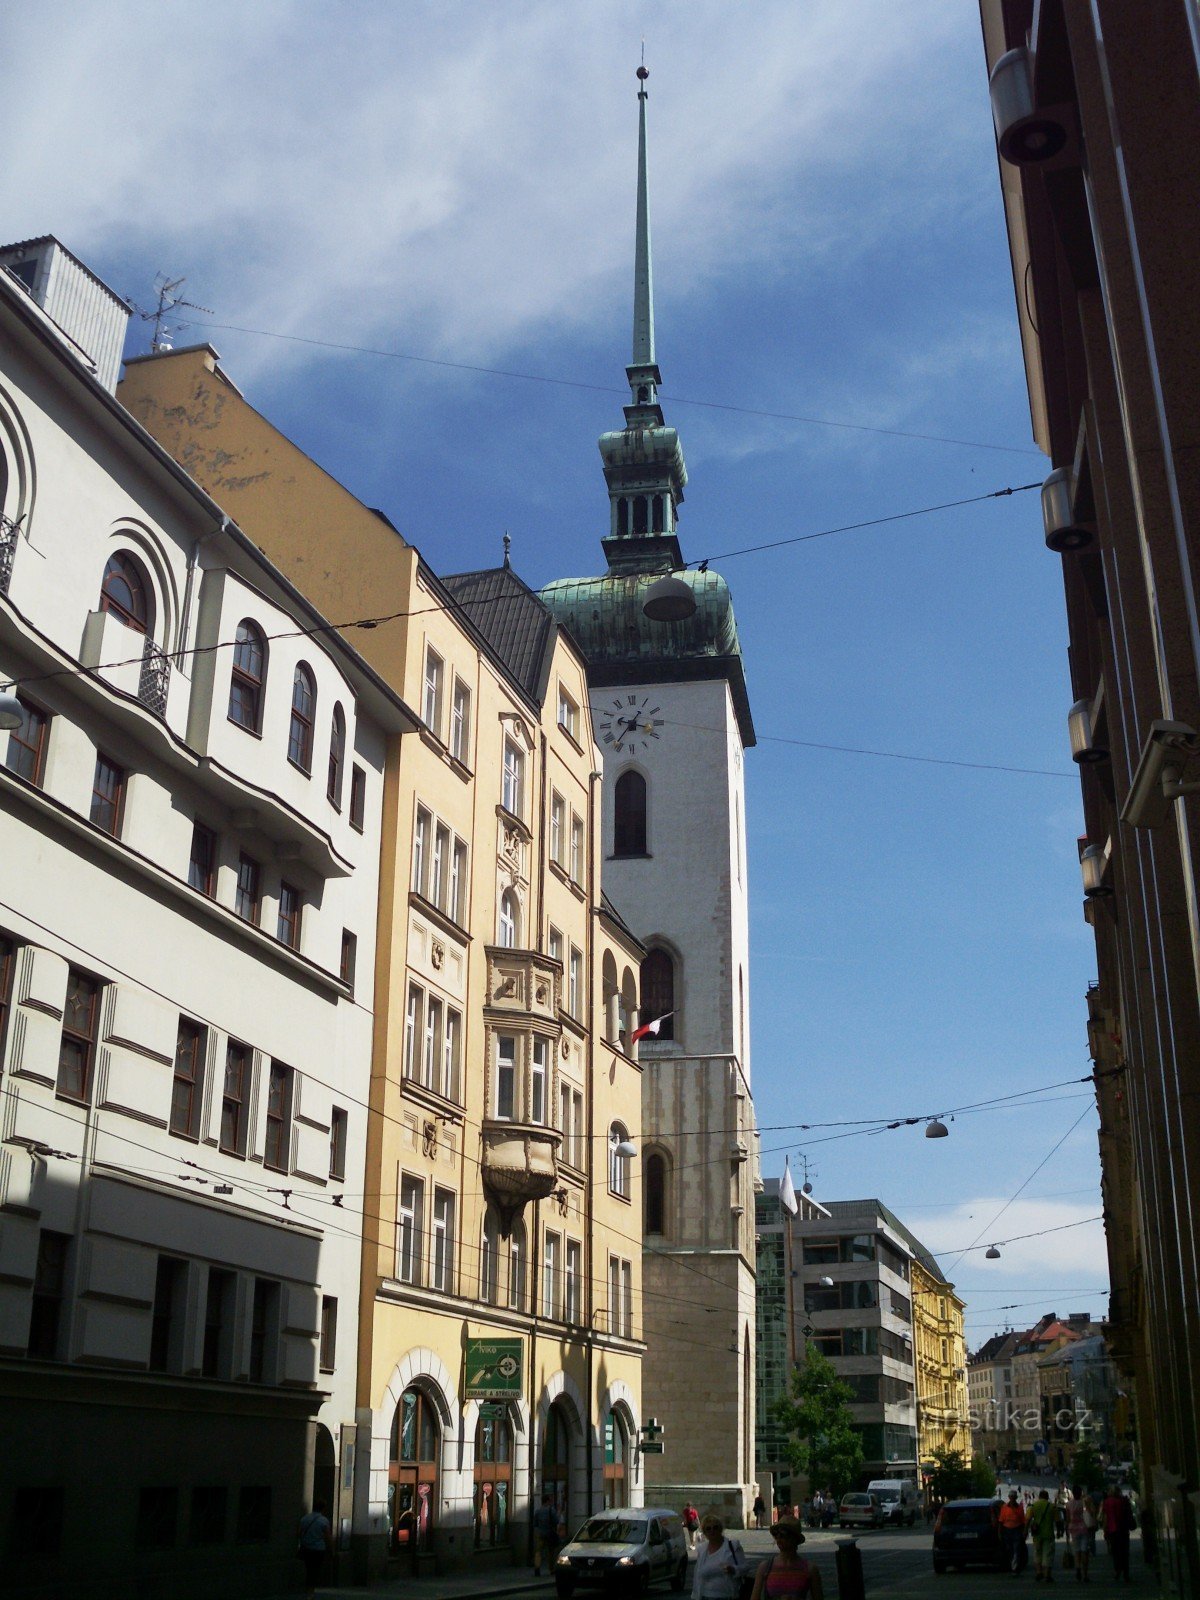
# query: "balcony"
(520, 1164)
(10, 532)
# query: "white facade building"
(189, 822)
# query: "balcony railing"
(155, 680)
(10, 532)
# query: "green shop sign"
(493, 1369)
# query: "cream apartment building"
(500, 1343)
(191, 785)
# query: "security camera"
(1158, 779)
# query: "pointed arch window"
(125, 592)
(248, 677)
(337, 757)
(304, 713)
(629, 815)
(658, 992)
(655, 1192)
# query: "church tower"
(671, 709)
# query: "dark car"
(967, 1534)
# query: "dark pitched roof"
(611, 911)
(514, 621)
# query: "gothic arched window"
(629, 815)
(654, 1179)
(658, 992)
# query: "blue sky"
(457, 182)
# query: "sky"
(453, 184)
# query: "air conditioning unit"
(1026, 134)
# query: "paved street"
(896, 1564)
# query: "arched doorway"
(616, 1460)
(493, 1476)
(413, 1472)
(556, 1460)
(324, 1482)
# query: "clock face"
(631, 723)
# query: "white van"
(898, 1499)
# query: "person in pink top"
(1081, 1525)
(1116, 1518)
(787, 1575)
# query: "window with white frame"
(451, 1054)
(489, 1256)
(441, 1266)
(431, 705)
(506, 1077)
(570, 1118)
(614, 1295)
(620, 1297)
(439, 865)
(554, 944)
(422, 829)
(409, 1223)
(618, 1161)
(509, 928)
(577, 850)
(568, 714)
(577, 1125)
(512, 789)
(572, 1280)
(575, 984)
(537, 1081)
(432, 1043)
(431, 1048)
(412, 1029)
(550, 1277)
(456, 907)
(517, 1255)
(558, 830)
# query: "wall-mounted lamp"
(1093, 864)
(1024, 133)
(1064, 531)
(1084, 748)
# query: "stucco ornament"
(437, 955)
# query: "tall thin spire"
(643, 269)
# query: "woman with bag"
(1080, 1531)
(719, 1563)
(787, 1575)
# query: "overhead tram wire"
(605, 388)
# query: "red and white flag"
(650, 1029)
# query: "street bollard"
(850, 1570)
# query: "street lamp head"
(935, 1129)
(625, 1147)
(11, 713)
(669, 600)
(824, 1283)
(991, 1253)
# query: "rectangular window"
(432, 703)
(577, 1126)
(276, 1151)
(27, 744)
(254, 1515)
(506, 1077)
(431, 1051)
(614, 1295)
(264, 1330)
(247, 896)
(451, 1052)
(210, 1510)
(512, 791)
(358, 797)
(420, 863)
(568, 714)
(234, 1097)
(558, 828)
(564, 1119)
(49, 1293)
(577, 851)
(516, 1269)
(157, 1519)
(457, 907)
(575, 988)
(202, 861)
(339, 1124)
(627, 1299)
(349, 958)
(537, 1082)
(108, 795)
(167, 1315)
(288, 930)
(554, 944)
(460, 723)
(439, 870)
(412, 1030)
(187, 1090)
(77, 1047)
(408, 1230)
(218, 1323)
(328, 1332)
(572, 1280)
(550, 1306)
(442, 1263)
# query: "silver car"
(626, 1549)
(860, 1510)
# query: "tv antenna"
(169, 301)
(806, 1187)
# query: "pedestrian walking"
(1117, 1517)
(1081, 1530)
(545, 1535)
(787, 1575)
(1041, 1523)
(719, 1563)
(314, 1540)
(1012, 1532)
(760, 1511)
(691, 1523)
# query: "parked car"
(626, 1550)
(860, 1509)
(967, 1533)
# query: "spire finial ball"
(643, 73)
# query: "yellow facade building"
(499, 1335)
(940, 1358)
